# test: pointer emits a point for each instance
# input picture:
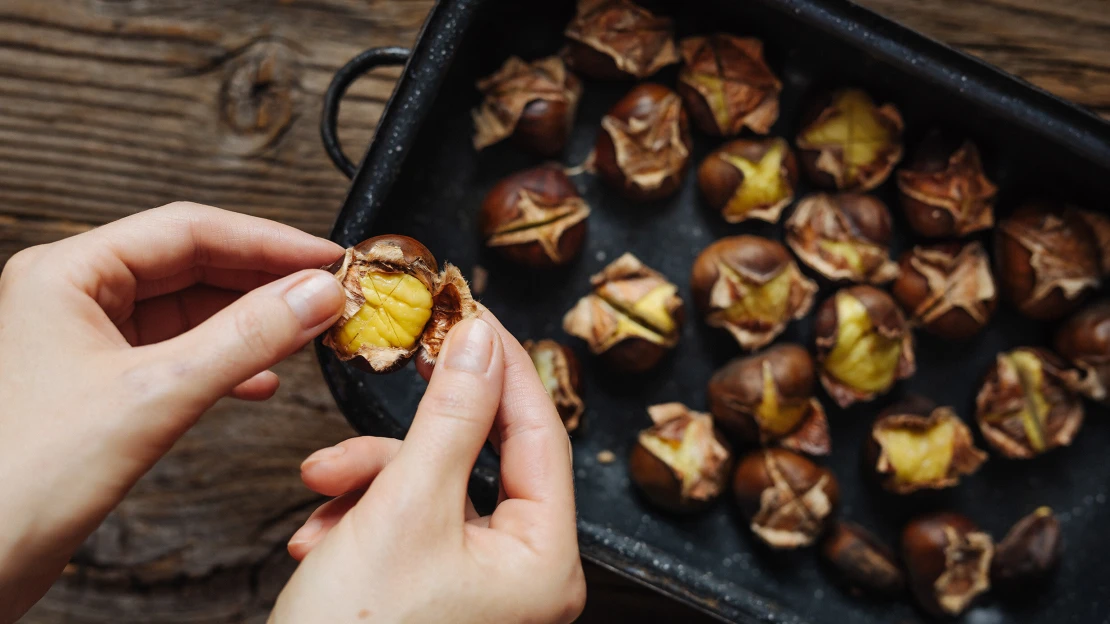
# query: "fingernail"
(315, 299)
(470, 346)
(307, 532)
(323, 455)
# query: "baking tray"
(421, 177)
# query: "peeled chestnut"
(788, 499)
(948, 561)
(533, 103)
(558, 370)
(862, 562)
(727, 85)
(749, 179)
(644, 144)
(768, 399)
(848, 143)
(1025, 406)
(398, 303)
(535, 218)
(844, 237)
(681, 463)
(863, 344)
(915, 445)
(751, 287)
(1047, 260)
(1084, 340)
(618, 40)
(943, 188)
(947, 289)
(1029, 553)
(632, 318)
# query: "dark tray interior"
(436, 197)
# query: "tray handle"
(356, 67)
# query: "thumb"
(252, 334)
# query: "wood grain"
(108, 107)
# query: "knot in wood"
(259, 94)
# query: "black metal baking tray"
(421, 177)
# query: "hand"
(402, 542)
(114, 342)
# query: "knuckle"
(23, 262)
(451, 402)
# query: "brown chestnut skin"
(663, 146)
(789, 499)
(1084, 340)
(861, 562)
(544, 127)
(559, 371)
(943, 189)
(531, 103)
(826, 162)
(727, 85)
(721, 180)
(659, 481)
(618, 40)
(1099, 223)
(856, 219)
(947, 561)
(551, 195)
(947, 289)
(1028, 555)
(1046, 260)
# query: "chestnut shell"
(925, 551)
(1084, 340)
(861, 561)
(660, 483)
(794, 481)
(947, 288)
(747, 88)
(719, 180)
(943, 189)
(618, 40)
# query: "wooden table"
(108, 107)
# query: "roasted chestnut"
(848, 143)
(749, 179)
(558, 370)
(788, 499)
(644, 144)
(1029, 553)
(398, 303)
(947, 289)
(1025, 407)
(1084, 340)
(862, 562)
(915, 445)
(943, 189)
(535, 218)
(948, 561)
(632, 317)
(681, 463)
(768, 399)
(1047, 260)
(618, 40)
(863, 344)
(751, 287)
(1099, 224)
(844, 237)
(727, 85)
(533, 103)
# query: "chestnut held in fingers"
(749, 179)
(862, 562)
(1028, 554)
(844, 237)
(398, 303)
(751, 287)
(681, 463)
(534, 103)
(863, 344)
(644, 144)
(788, 499)
(535, 218)
(1084, 340)
(947, 288)
(558, 370)
(943, 189)
(618, 39)
(915, 445)
(727, 85)
(768, 399)
(632, 317)
(1047, 260)
(848, 143)
(1025, 407)
(948, 561)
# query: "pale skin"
(114, 342)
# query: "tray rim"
(1023, 103)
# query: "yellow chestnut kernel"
(544, 361)
(766, 302)
(1035, 411)
(714, 95)
(396, 309)
(775, 418)
(652, 308)
(861, 358)
(684, 456)
(856, 129)
(763, 181)
(847, 251)
(919, 456)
